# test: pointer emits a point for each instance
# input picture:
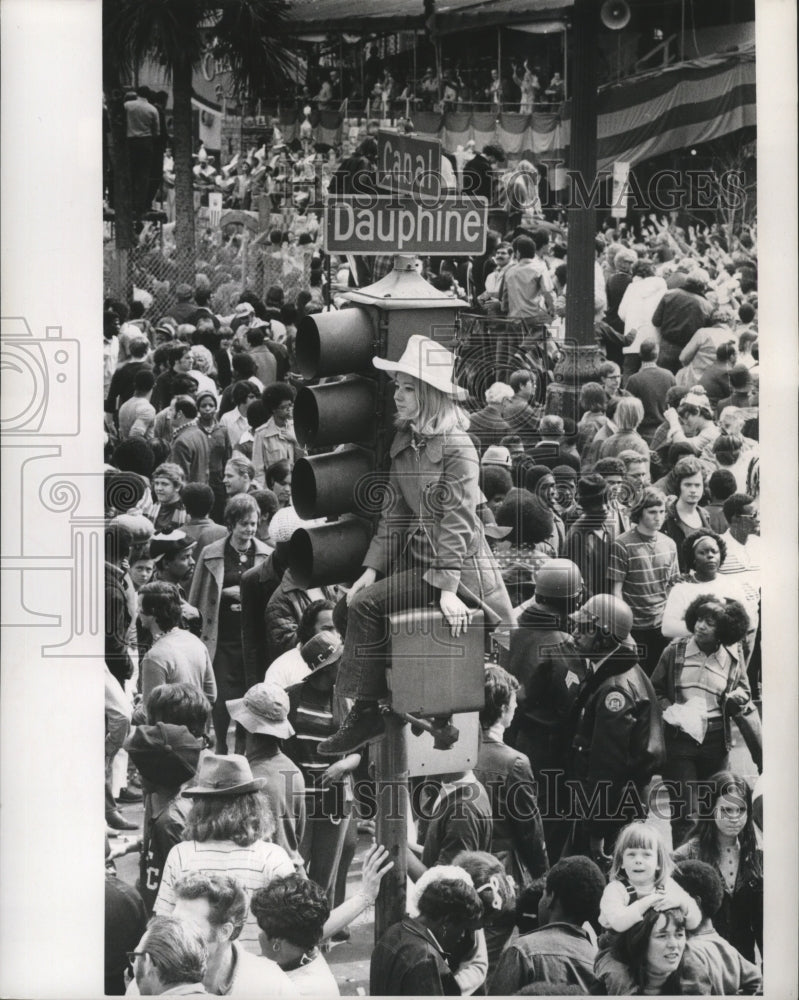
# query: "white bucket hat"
(428, 361)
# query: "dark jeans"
(687, 763)
(651, 642)
(362, 674)
(347, 854)
(229, 674)
(323, 843)
(140, 154)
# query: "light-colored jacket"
(207, 584)
(274, 444)
(432, 505)
(637, 306)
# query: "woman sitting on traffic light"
(430, 545)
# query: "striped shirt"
(313, 722)
(647, 569)
(254, 867)
(705, 676)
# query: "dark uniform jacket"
(618, 735)
(537, 634)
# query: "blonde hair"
(438, 413)
(629, 413)
(641, 834)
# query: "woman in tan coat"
(430, 546)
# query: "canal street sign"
(370, 225)
(406, 164)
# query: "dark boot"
(362, 725)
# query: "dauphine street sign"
(384, 224)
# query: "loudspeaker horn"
(615, 14)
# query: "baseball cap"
(322, 649)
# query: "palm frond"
(171, 33)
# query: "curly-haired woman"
(701, 679)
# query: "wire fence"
(232, 252)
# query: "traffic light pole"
(393, 803)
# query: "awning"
(310, 17)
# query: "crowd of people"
(615, 553)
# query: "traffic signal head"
(346, 419)
(349, 414)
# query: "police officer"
(550, 670)
(618, 732)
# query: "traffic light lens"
(326, 485)
(329, 553)
(336, 412)
(334, 343)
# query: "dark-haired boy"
(733, 975)
(198, 499)
(190, 448)
(561, 951)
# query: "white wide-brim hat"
(428, 361)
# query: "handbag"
(750, 728)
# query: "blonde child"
(640, 879)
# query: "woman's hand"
(375, 866)
(366, 579)
(738, 696)
(335, 772)
(234, 592)
(339, 768)
(455, 612)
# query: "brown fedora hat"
(228, 775)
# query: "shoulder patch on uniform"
(571, 678)
(614, 701)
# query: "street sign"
(370, 225)
(406, 164)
